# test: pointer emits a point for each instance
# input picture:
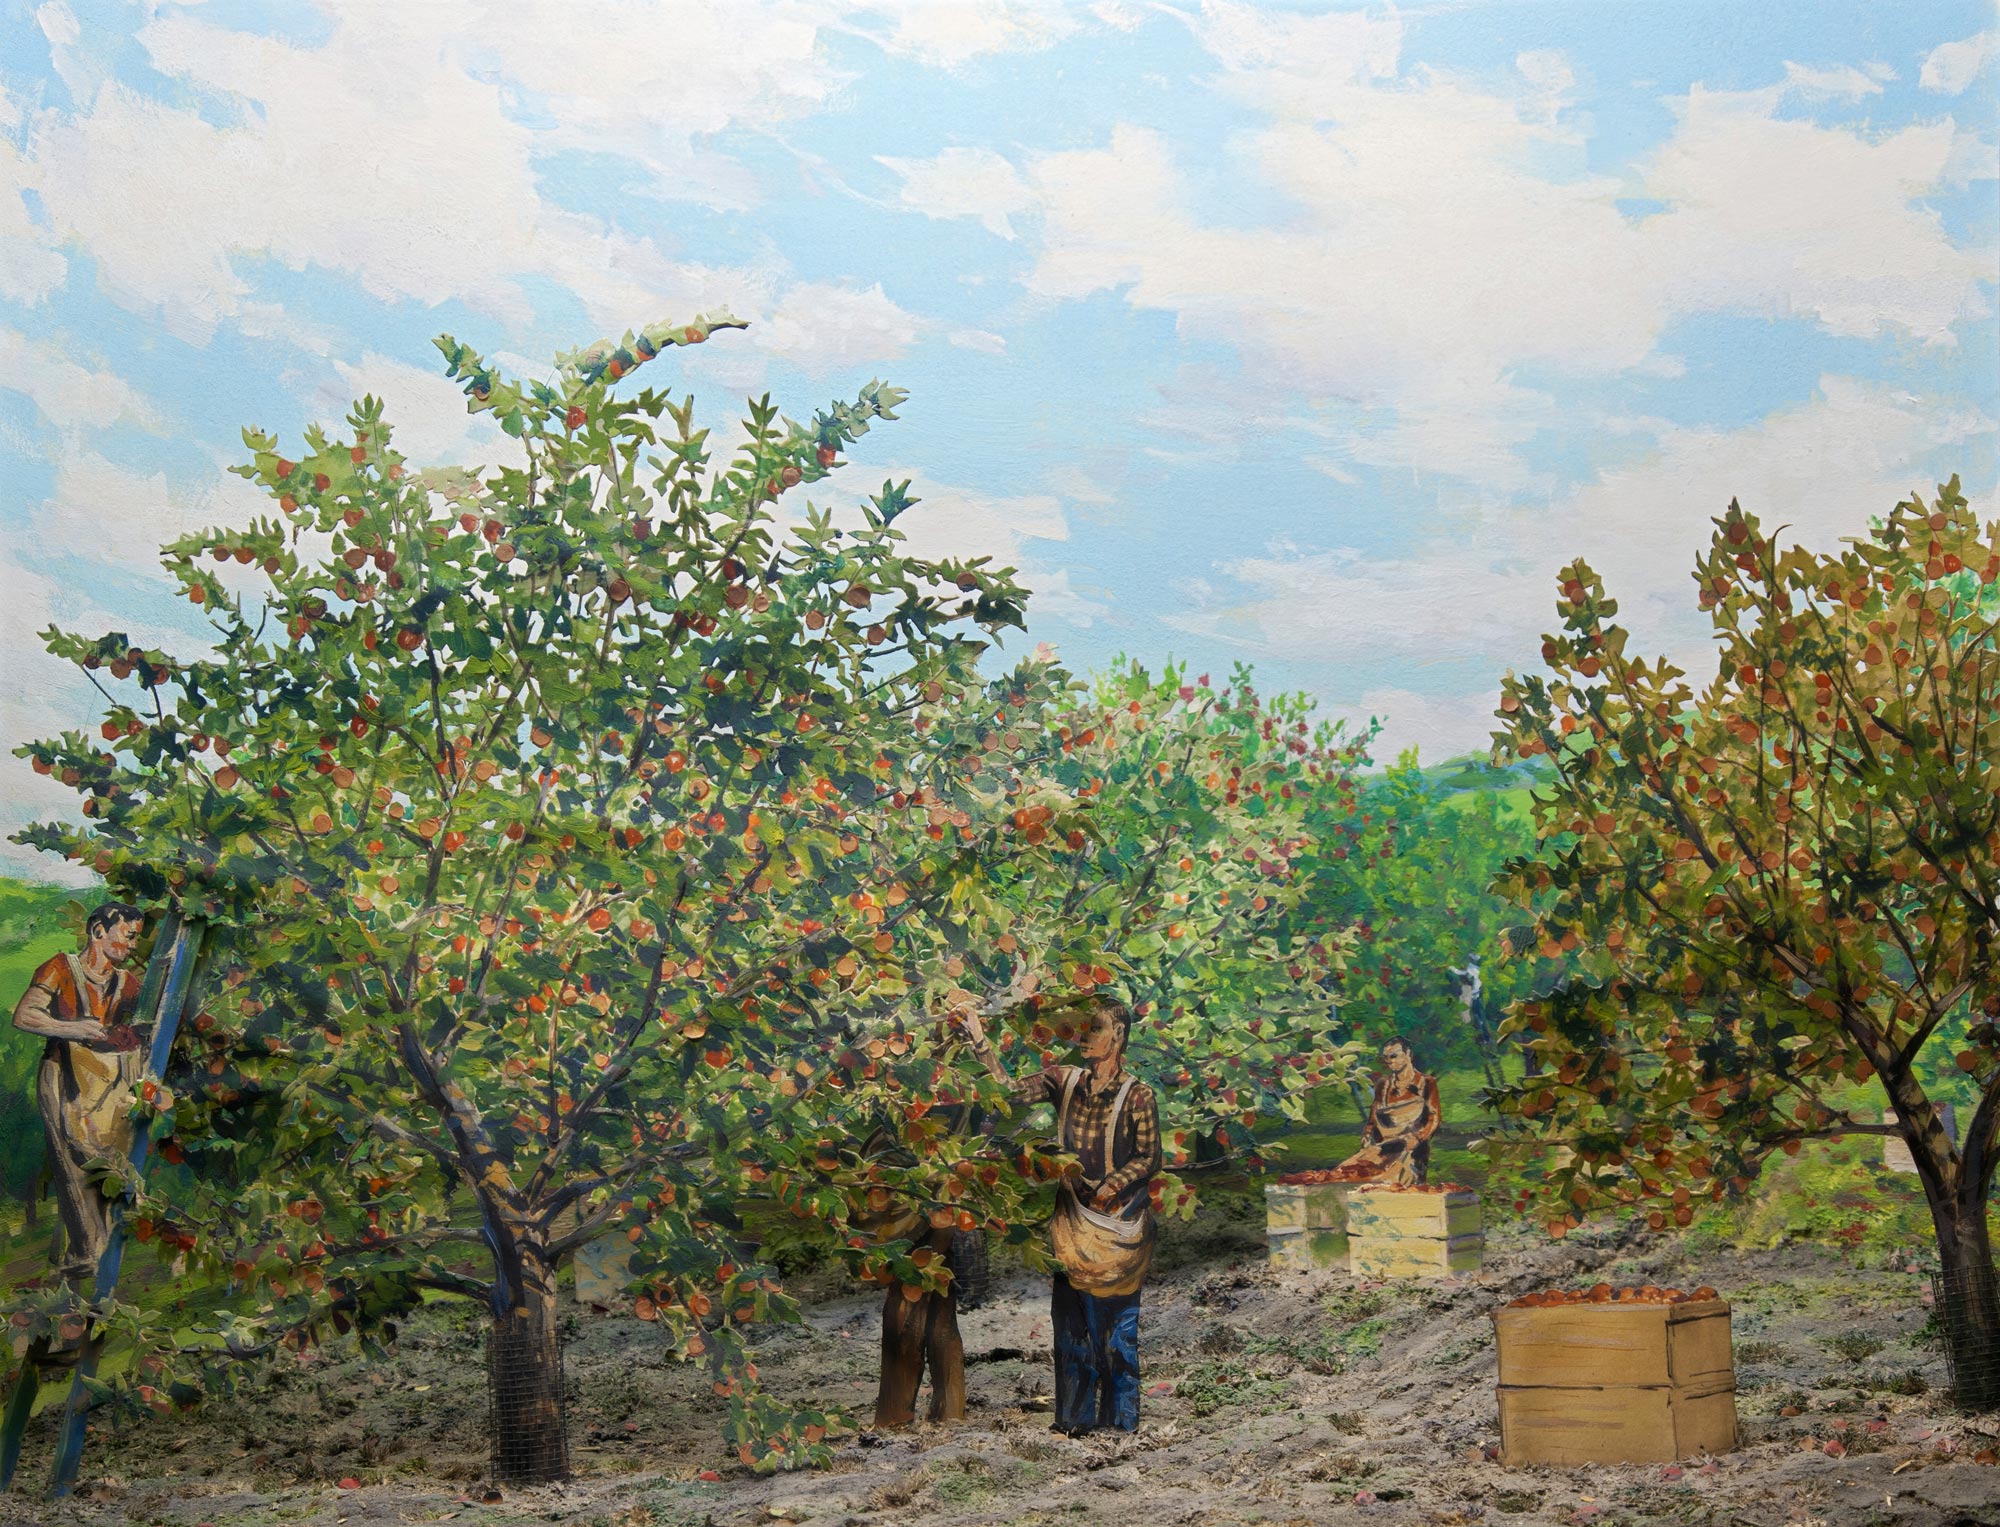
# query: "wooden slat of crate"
(1591, 1345)
(1617, 1424)
(1414, 1256)
(1303, 1248)
(1391, 1211)
(1309, 1206)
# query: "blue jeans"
(1097, 1359)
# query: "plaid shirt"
(1124, 1165)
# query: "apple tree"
(526, 802)
(1781, 891)
(1132, 834)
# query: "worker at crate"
(1103, 1230)
(1402, 1116)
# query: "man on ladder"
(83, 1004)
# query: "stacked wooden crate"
(1615, 1383)
(1413, 1232)
(1305, 1224)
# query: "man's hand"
(123, 1038)
(1103, 1199)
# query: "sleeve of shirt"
(35, 1014)
(1371, 1134)
(1146, 1158)
(1433, 1112)
(1043, 1086)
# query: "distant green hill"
(1460, 781)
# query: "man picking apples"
(1103, 1230)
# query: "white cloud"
(1952, 67)
(653, 80)
(75, 67)
(964, 182)
(1783, 218)
(421, 182)
(30, 266)
(951, 521)
(1841, 83)
(1480, 593)
(821, 327)
(1549, 75)
(1437, 726)
(426, 410)
(978, 339)
(1053, 592)
(1448, 239)
(69, 394)
(1294, 64)
(951, 33)
(120, 518)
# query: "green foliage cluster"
(1408, 871)
(593, 850)
(1777, 889)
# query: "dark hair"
(1398, 1039)
(101, 920)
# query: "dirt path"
(1288, 1399)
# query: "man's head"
(112, 929)
(1397, 1057)
(1110, 1028)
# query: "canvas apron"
(1394, 1156)
(92, 1090)
(1101, 1254)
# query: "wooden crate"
(1305, 1224)
(1615, 1383)
(1414, 1256)
(1404, 1233)
(1395, 1213)
(1304, 1249)
(1896, 1150)
(1623, 1425)
(1306, 1206)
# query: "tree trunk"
(1955, 1188)
(524, 1384)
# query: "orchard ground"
(1280, 1398)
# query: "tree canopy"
(1779, 888)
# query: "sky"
(1316, 337)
